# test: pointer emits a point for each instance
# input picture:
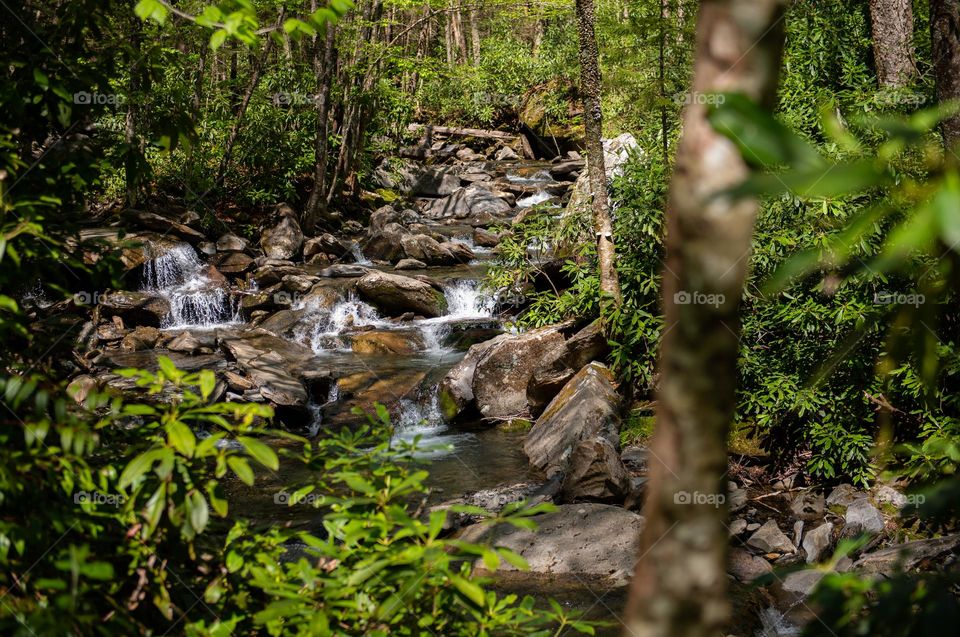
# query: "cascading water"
(532, 200)
(327, 331)
(421, 419)
(358, 255)
(465, 301)
(195, 299)
(539, 177)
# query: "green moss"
(637, 428)
(515, 425)
(743, 441)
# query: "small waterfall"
(466, 300)
(417, 418)
(327, 332)
(539, 177)
(532, 200)
(195, 300)
(774, 624)
(358, 255)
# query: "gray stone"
(844, 495)
(770, 539)
(862, 516)
(808, 506)
(285, 239)
(232, 243)
(577, 539)
(409, 264)
(738, 526)
(562, 362)
(817, 541)
(885, 494)
(436, 182)
(745, 566)
(737, 499)
(471, 201)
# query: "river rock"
(409, 264)
(506, 154)
(578, 539)
(164, 225)
(141, 338)
(502, 373)
(385, 244)
(395, 173)
(233, 262)
(395, 294)
(455, 392)
(436, 182)
(861, 516)
(562, 362)
(273, 364)
(232, 243)
(135, 308)
(808, 506)
(817, 541)
(387, 342)
(792, 590)
(485, 238)
(184, 342)
(326, 244)
(844, 495)
(745, 566)
(470, 201)
(284, 240)
(770, 539)
(427, 249)
(343, 270)
(578, 437)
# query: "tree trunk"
(323, 67)
(133, 161)
(475, 35)
(679, 587)
(945, 35)
(593, 130)
(892, 25)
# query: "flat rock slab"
(581, 539)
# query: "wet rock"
(908, 556)
(232, 243)
(491, 500)
(577, 539)
(792, 590)
(770, 539)
(861, 516)
(506, 154)
(207, 248)
(385, 244)
(560, 364)
(578, 437)
(463, 334)
(273, 364)
(409, 264)
(233, 262)
(298, 283)
(343, 271)
(141, 338)
(461, 252)
(395, 294)
(135, 308)
(485, 238)
(389, 342)
(455, 392)
(326, 244)
(111, 331)
(817, 541)
(282, 322)
(436, 182)
(468, 202)
(567, 169)
(745, 566)
(184, 342)
(285, 239)
(502, 374)
(427, 249)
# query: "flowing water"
(195, 299)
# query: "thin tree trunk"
(590, 84)
(679, 586)
(945, 34)
(662, 79)
(323, 67)
(474, 16)
(134, 155)
(892, 26)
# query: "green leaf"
(242, 468)
(468, 589)
(181, 438)
(260, 452)
(207, 382)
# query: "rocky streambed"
(394, 312)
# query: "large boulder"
(274, 364)
(384, 243)
(436, 182)
(284, 240)
(578, 539)
(578, 436)
(562, 362)
(395, 294)
(468, 202)
(616, 152)
(326, 244)
(395, 173)
(502, 373)
(230, 242)
(425, 248)
(455, 391)
(135, 308)
(164, 225)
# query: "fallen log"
(464, 132)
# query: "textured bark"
(892, 26)
(135, 146)
(679, 587)
(945, 35)
(323, 66)
(590, 84)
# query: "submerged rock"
(135, 308)
(395, 294)
(391, 342)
